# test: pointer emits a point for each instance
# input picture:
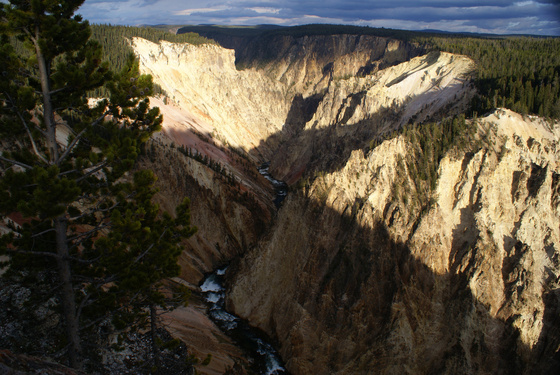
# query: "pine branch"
(105, 316)
(31, 252)
(43, 133)
(100, 210)
(58, 90)
(89, 233)
(79, 136)
(14, 162)
(94, 170)
(83, 261)
(60, 353)
(52, 255)
(43, 232)
(24, 123)
(139, 257)
(82, 304)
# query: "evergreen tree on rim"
(91, 235)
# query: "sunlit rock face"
(241, 107)
(280, 109)
(348, 278)
(352, 111)
(318, 100)
(351, 281)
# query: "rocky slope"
(322, 130)
(352, 281)
(220, 112)
(349, 275)
(307, 64)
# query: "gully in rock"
(263, 357)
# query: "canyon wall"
(229, 218)
(238, 107)
(220, 112)
(322, 130)
(351, 280)
(307, 64)
(308, 92)
(350, 276)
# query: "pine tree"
(92, 235)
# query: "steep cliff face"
(230, 214)
(231, 208)
(353, 277)
(307, 64)
(352, 281)
(214, 109)
(239, 107)
(322, 130)
(306, 93)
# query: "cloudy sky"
(540, 17)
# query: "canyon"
(361, 269)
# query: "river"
(264, 359)
(280, 187)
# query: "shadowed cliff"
(351, 300)
(355, 279)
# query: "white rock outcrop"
(251, 109)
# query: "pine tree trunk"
(48, 112)
(68, 296)
(60, 223)
(155, 347)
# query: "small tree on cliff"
(92, 235)
(141, 253)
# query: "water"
(280, 187)
(263, 357)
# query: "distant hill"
(481, 35)
(218, 31)
(328, 29)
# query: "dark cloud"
(494, 16)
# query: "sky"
(540, 17)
